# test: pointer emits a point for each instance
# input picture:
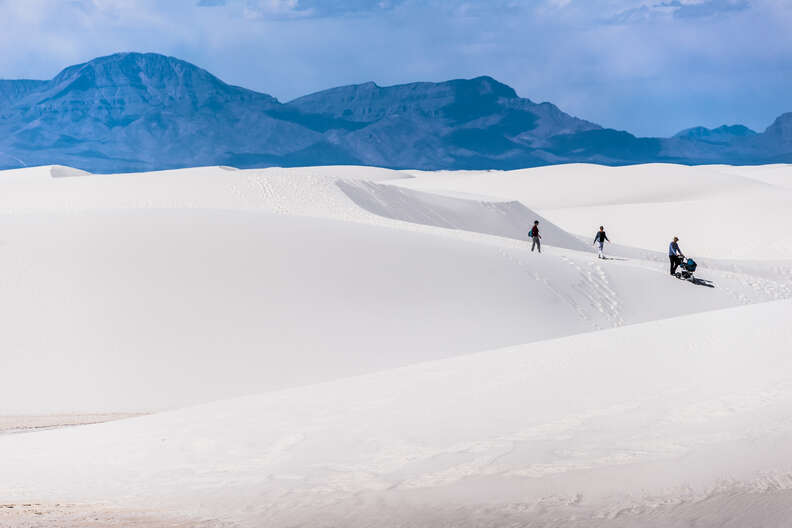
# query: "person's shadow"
(702, 282)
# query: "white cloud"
(268, 8)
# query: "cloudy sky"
(652, 67)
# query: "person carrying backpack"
(599, 240)
(675, 255)
(536, 237)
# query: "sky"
(652, 67)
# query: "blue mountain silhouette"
(133, 112)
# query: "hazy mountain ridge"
(12, 91)
(723, 133)
(131, 111)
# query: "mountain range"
(136, 112)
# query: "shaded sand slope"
(507, 219)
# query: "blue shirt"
(673, 249)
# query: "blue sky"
(651, 67)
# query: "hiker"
(599, 240)
(674, 255)
(534, 234)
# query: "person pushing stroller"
(675, 255)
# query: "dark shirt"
(601, 237)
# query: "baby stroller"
(687, 266)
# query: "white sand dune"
(410, 361)
(777, 175)
(630, 421)
(717, 211)
(586, 185)
(168, 289)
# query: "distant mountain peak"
(781, 128)
(486, 85)
(369, 102)
(720, 133)
(782, 120)
(137, 78)
(129, 60)
(134, 68)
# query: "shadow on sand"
(701, 282)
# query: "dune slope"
(718, 211)
(167, 289)
(350, 346)
(610, 428)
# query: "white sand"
(379, 308)
(717, 211)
